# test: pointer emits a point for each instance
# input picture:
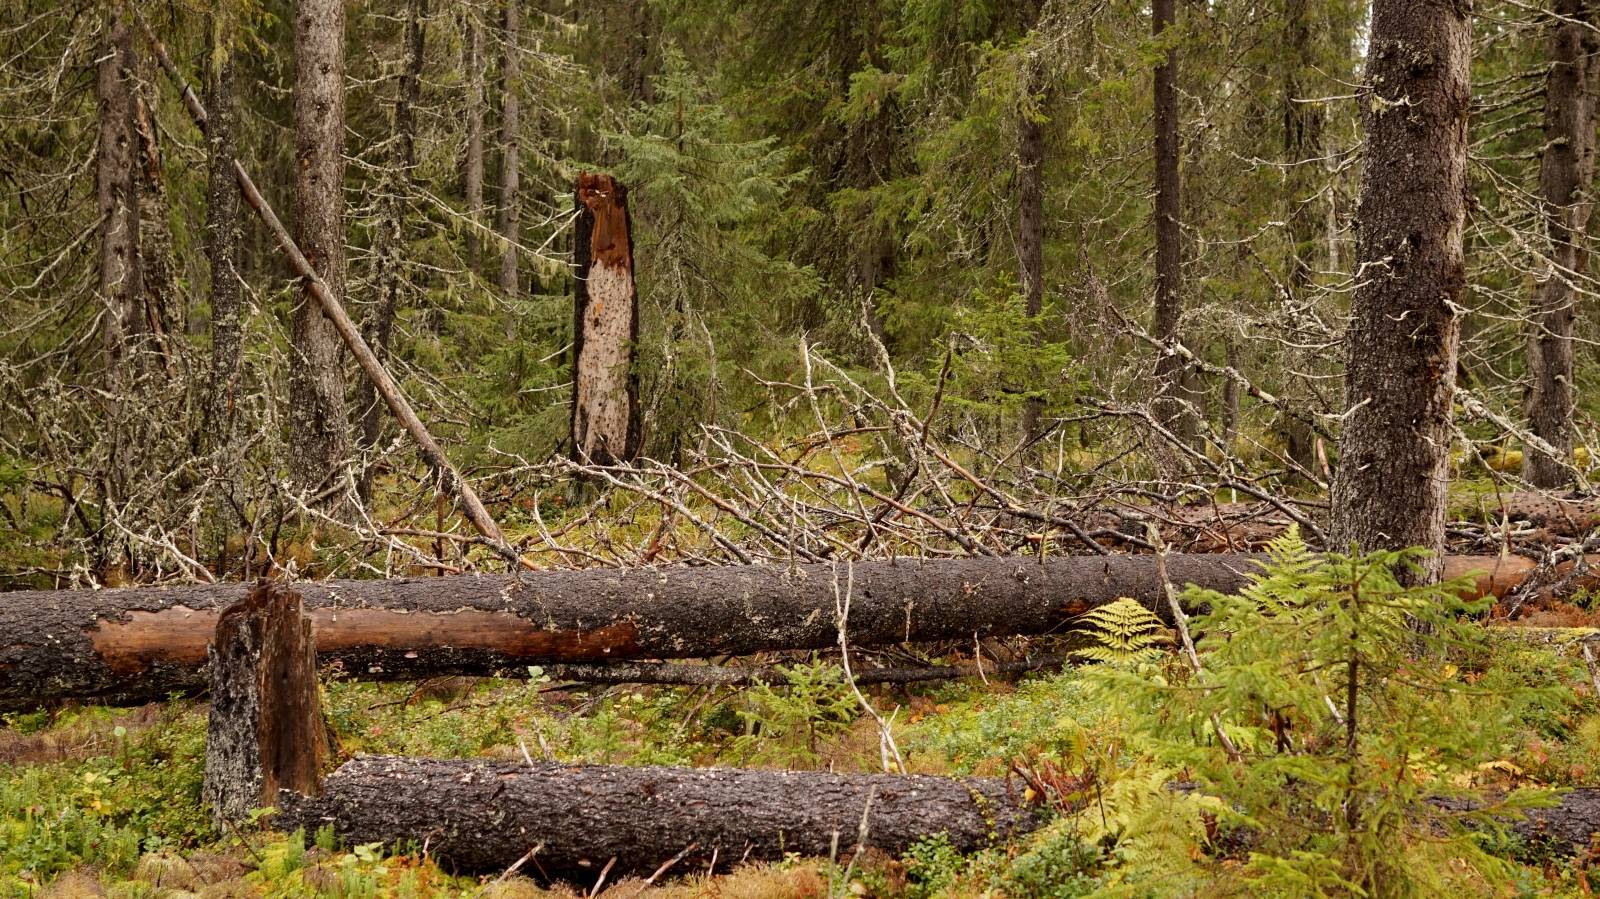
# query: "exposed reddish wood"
(142, 643)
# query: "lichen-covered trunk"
(117, 202)
(605, 383)
(317, 416)
(133, 645)
(484, 816)
(1566, 181)
(222, 244)
(391, 237)
(472, 177)
(1030, 244)
(510, 160)
(1174, 405)
(1400, 348)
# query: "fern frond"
(1124, 633)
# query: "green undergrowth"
(96, 801)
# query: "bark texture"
(484, 816)
(116, 195)
(265, 730)
(317, 416)
(472, 177)
(222, 242)
(1566, 181)
(1391, 487)
(1030, 239)
(1174, 400)
(156, 315)
(605, 383)
(139, 644)
(510, 136)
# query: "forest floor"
(106, 802)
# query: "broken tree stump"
(475, 815)
(265, 731)
(141, 644)
(605, 321)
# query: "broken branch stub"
(605, 381)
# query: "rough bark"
(1566, 180)
(484, 816)
(265, 730)
(1391, 487)
(222, 243)
(133, 645)
(510, 136)
(1302, 145)
(116, 198)
(317, 417)
(155, 317)
(1174, 407)
(1030, 240)
(473, 176)
(391, 237)
(605, 383)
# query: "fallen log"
(141, 644)
(677, 674)
(477, 816)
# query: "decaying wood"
(484, 816)
(264, 731)
(605, 384)
(139, 644)
(451, 480)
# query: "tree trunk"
(317, 417)
(1030, 243)
(264, 730)
(1302, 145)
(484, 816)
(473, 176)
(1566, 179)
(1400, 349)
(118, 205)
(605, 382)
(154, 318)
(1174, 405)
(392, 213)
(222, 242)
(510, 174)
(134, 645)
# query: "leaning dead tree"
(141, 644)
(605, 383)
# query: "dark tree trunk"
(118, 205)
(1400, 348)
(1030, 242)
(134, 645)
(222, 244)
(154, 318)
(264, 731)
(484, 816)
(1174, 407)
(1302, 145)
(510, 136)
(473, 176)
(392, 215)
(1566, 180)
(605, 382)
(317, 416)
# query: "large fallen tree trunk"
(485, 816)
(138, 644)
(575, 820)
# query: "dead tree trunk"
(118, 205)
(317, 416)
(1400, 349)
(605, 383)
(265, 731)
(392, 215)
(510, 135)
(222, 243)
(472, 177)
(1030, 241)
(133, 645)
(1174, 404)
(1566, 179)
(484, 816)
(156, 317)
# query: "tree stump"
(265, 731)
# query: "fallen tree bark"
(484, 816)
(139, 644)
(687, 675)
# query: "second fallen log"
(139, 644)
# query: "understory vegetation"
(1378, 740)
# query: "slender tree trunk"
(605, 382)
(395, 191)
(1566, 180)
(157, 300)
(222, 242)
(317, 414)
(116, 197)
(1173, 407)
(473, 176)
(1030, 242)
(1302, 145)
(510, 175)
(1400, 348)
